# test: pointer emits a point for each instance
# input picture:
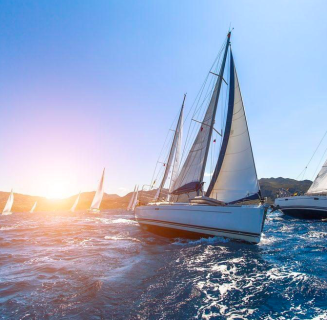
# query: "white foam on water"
(124, 221)
(266, 240)
(211, 240)
(13, 227)
(122, 238)
(317, 234)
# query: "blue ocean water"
(84, 266)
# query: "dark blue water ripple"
(84, 266)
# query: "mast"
(220, 80)
(171, 152)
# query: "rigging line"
(319, 164)
(192, 129)
(208, 162)
(197, 100)
(217, 58)
(210, 89)
(313, 154)
(158, 160)
(163, 147)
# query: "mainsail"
(191, 175)
(131, 201)
(98, 195)
(235, 177)
(75, 203)
(33, 208)
(8, 206)
(319, 185)
(174, 157)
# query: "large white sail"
(33, 208)
(235, 176)
(75, 203)
(174, 157)
(8, 206)
(319, 185)
(98, 195)
(131, 201)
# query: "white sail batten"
(99, 194)
(319, 185)
(8, 206)
(33, 208)
(131, 201)
(73, 208)
(235, 177)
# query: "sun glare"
(57, 191)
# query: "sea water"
(104, 266)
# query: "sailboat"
(218, 211)
(8, 206)
(34, 206)
(95, 206)
(75, 203)
(134, 199)
(312, 205)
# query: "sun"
(56, 190)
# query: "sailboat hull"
(6, 213)
(243, 223)
(303, 207)
(93, 210)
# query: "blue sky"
(92, 84)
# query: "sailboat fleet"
(181, 205)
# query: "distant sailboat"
(313, 205)
(134, 199)
(8, 206)
(95, 206)
(75, 203)
(33, 208)
(129, 207)
(220, 211)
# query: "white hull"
(235, 222)
(307, 207)
(6, 213)
(93, 210)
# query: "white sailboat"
(34, 206)
(234, 179)
(95, 206)
(75, 203)
(8, 206)
(133, 201)
(313, 205)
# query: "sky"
(91, 84)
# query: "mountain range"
(23, 203)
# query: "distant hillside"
(270, 186)
(23, 203)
